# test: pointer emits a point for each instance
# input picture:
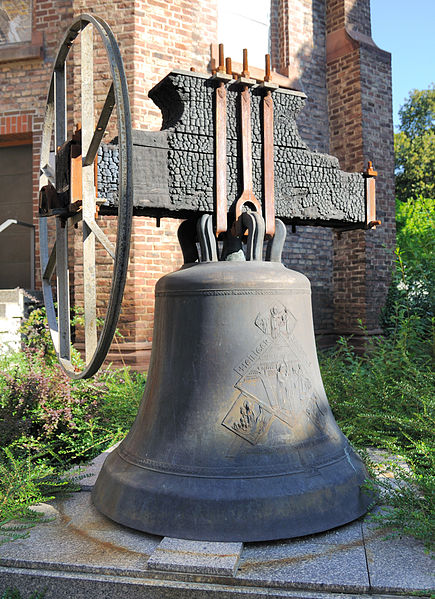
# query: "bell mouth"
(221, 509)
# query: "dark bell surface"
(234, 427)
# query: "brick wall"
(357, 16)
(360, 121)
(174, 34)
(168, 34)
(378, 145)
(344, 87)
(354, 14)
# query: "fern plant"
(23, 482)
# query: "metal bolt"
(245, 72)
(370, 172)
(267, 76)
(221, 67)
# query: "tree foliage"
(415, 273)
(414, 146)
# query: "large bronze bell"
(234, 439)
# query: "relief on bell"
(275, 383)
(248, 418)
(278, 321)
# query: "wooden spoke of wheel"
(96, 347)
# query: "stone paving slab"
(397, 564)
(80, 539)
(349, 533)
(321, 565)
(200, 557)
(92, 470)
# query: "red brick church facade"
(323, 46)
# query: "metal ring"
(60, 324)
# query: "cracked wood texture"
(174, 167)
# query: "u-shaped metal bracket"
(207, 239)
(276, 244)
(254, 222)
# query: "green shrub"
(36, 335)
(68, 421)
(48, 423)
(24, 481)
(409, 504)
(386, 399)
(410, 306)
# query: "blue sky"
(407, 30)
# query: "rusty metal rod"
(247, 195)
(221, 158)
(267, 75)
(268, 161)
(221, 144)
(245, 72)
(268, 167)
(221, 66)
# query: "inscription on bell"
(253, 356)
